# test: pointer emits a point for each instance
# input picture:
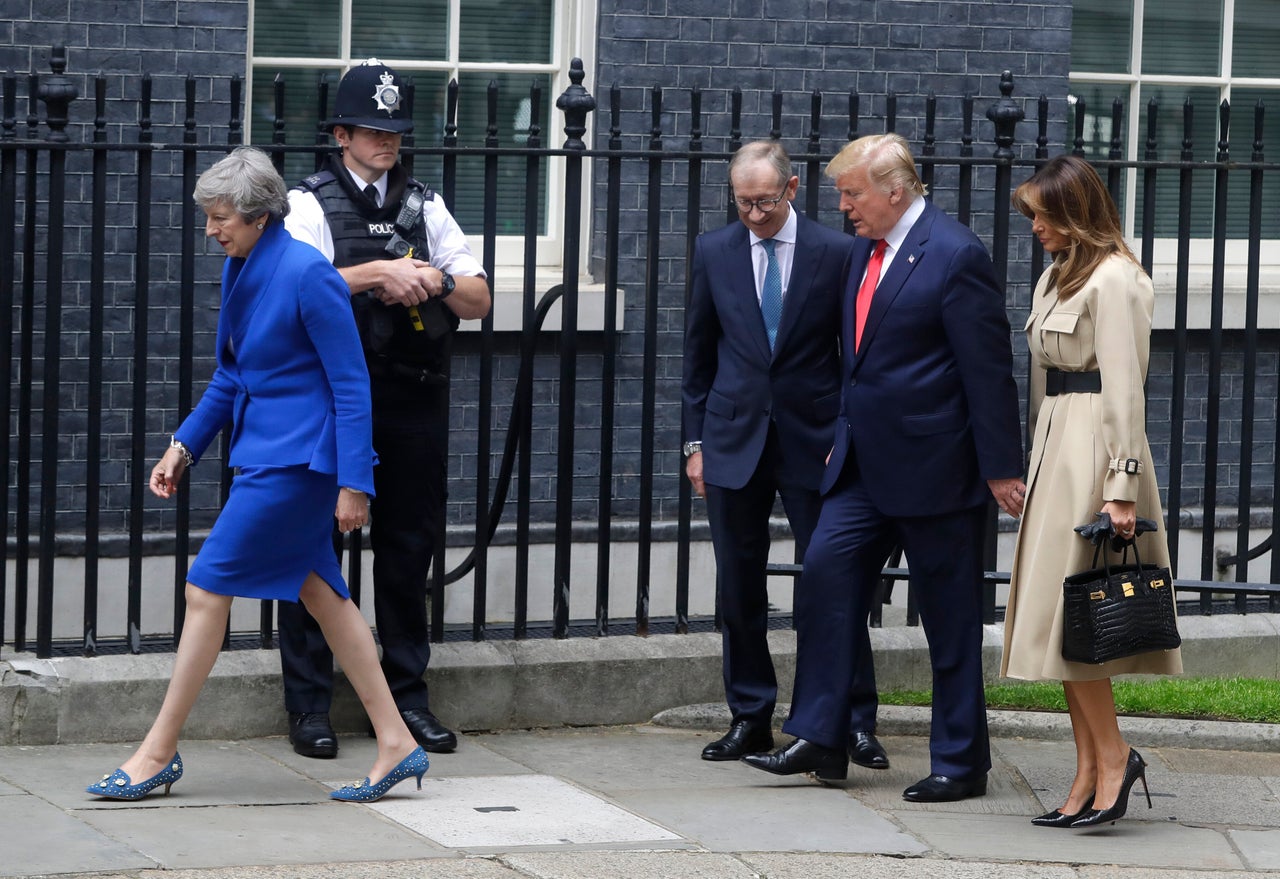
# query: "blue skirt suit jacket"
(291, 380)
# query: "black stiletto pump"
(1058, 818)
(1134, 770)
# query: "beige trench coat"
(1079, 445)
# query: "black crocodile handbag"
(1114, 611)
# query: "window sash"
(568, 26)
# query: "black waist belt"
(1058, 382)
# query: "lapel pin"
(911, 260)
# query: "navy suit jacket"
(929, 410)
(291, 375)
(734, 386)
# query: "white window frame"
(573, 36)
(1165, 251)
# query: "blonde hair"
(1068, 195)
(887, 159)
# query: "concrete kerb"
(584, 681)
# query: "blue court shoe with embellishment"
(413, 766)
(118, 785)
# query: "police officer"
(412, 278)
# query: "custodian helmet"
(369, 96)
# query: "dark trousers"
(944, 554)
(739, 520)
(405, 516)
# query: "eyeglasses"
(764, 205)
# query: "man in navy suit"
(928, 432)
(761, 393)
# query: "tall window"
(515, 43)
(1175, 51)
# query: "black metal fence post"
(575, 103)
(1005, 114)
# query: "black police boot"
(312, 736)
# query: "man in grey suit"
(761, 395)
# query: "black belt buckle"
(1052, 382)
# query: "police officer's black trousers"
(409, 426)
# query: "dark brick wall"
(122, 41)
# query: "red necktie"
(866, 291)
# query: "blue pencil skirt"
(275, 529)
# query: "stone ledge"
(508, 684)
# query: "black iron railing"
(106, 336)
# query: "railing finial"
(1005, 114)
(57, 92)
(575, 103)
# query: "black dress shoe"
(744, 737)
(1058, 818)
(829, 764)
(312, 736)
(429, 731)
(1134, 770)
(941, 789)
(866, 751)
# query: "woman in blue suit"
(292, 382)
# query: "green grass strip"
(1252, 700)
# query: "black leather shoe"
(941, 789)
(829, 764)
(312, 736)
(1058, 818)
(744, 737)
(866, 751)
(429, 731)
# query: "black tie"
(371, 193)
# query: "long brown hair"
(1069, 196)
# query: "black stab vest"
(360, 234)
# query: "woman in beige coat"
(1089, 336)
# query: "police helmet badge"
(386, 93)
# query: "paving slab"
(214, 773)
(1259, 848)
(824, 866)
(1087, 871)
(515, 811)
(38, 838)
(599, 865)
(456, 868)
(770, 818)
(356, 754)
(622, 758)
(1124, 843)
(177, 838)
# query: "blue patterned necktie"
(771, 295)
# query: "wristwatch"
(692, 447)
(446, 285)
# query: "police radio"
(408, 218)
(406, 221)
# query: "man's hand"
(1010, 494)
(353, 509)
(400, 281)
(693, 469)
